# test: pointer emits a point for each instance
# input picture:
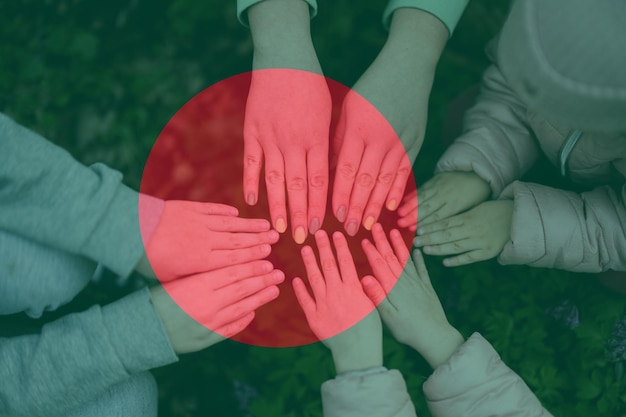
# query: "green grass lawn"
(102, 79)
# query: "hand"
(445, 195)
(408, 305)
(376, 144)
(340, 314)
(221, 303)
(477, 234)
(194, 237)
(286, 126)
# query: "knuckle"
(386, 178)
(457, 246)
(365, 180)
(253, 161)
(404, 171)
(317, 181)
(232, 258)
(274, 177)
(390, 257)
(296, 184)
(328, 265)
(347, 170)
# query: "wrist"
(357, 360)
(439, 345)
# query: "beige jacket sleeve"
(374, 394)
(474, 382)
(497, 143)
(560, 229)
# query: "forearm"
(281, 35)
(358, 359)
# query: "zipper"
(570, 143)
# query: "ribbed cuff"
(449, 12)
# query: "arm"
(79, 356)
(554, 228)
(389, 102)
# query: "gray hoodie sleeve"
(49, 197)
(78, 357)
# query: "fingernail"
(314, 226)
(352, 227)
(420, 231)
(251, 199)
(267, 267)
(369, 222)
(266, 248)
(392, 205)
(281, 226)
(274, 292)
(341, 213)
(300, 235)
(417, 241)
(274, 235)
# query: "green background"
(102, 79)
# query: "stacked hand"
(339, 312)
(408, 305)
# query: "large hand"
(194, 237)
(286, 126)
(444, 195)
(372, 164)
(477, 234)
(339, 313)
(222, 303)
(408, 305)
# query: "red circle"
(198, 156)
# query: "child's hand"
(477, 234)
(444, 195)
(339, 313)
(408, 305)
(194, 237)
(200, 310)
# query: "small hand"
(203, 309)
(339, 313)
(406, 299)
(477, 234)
(194, 237)
(444, 195)
(286, 128)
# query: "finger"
(337, 141)
(231, 329)
(209, 208)
(420, 266)
(227, 240)
(399, 184)
(409, 203)
(379, 266)
(275, 184)
(381, 189)
(344, 257)
(327, 259)
(225, 257)
(362, 188)
(465, 258)
(399, 247)
(238, 290)
(385, 250)
(440, 237)
(313, 273)
(252, 163)
(244, 307)
(304, 298)
(295, 168)
(409, 221)
(450, 248)
(347, 167)
(224, 276)
(376, 293)
(236, 224)
(317, 167)
(449, 223)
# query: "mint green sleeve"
(448, 11)
(243, 5)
